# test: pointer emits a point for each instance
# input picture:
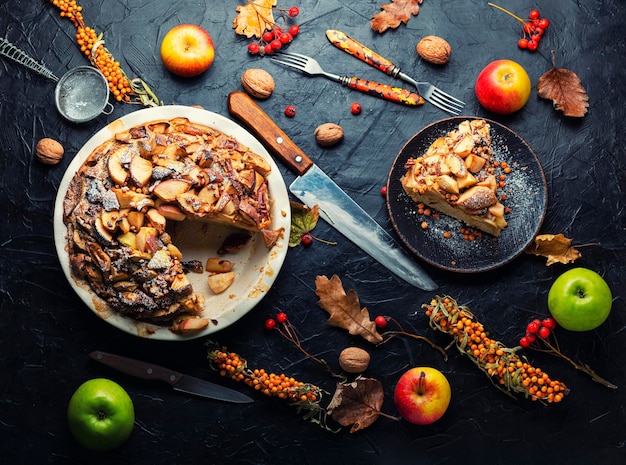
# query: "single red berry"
(524, 342)
(268, 50)
(534, 14)
(290, 111)
(522, 43)
(531, 337)
(544, 23)
(294, 11)
(268, 36)
(294, 30)
(253, 48)
(529, 28)
(383, 191)
(276, 44)
(539, 31)
(549, 323)
(285, 38)
(270, 324)
(281, 317)
(535, 38)
(356, 108)
(544, 332)
(307, 239)
(533, 327)
(532, 45)
(380, 321)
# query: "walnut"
(258, 83)
(354, 360)
(434, 50)
(49, 151)
(328, 134)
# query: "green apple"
(100, 414)
(422, 395)
(580, 300)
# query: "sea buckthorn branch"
(304, 396)
(92, 46)
(540, 336)
(505, 369)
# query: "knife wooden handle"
(257, 121)
(357, 49)
(136, 368)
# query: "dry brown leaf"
(344, 309)
(357, 403)
(557, 248)
(394, 14)
(254, 18)
(563, 87)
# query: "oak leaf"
(357, 403)
(344, 309)
(254, 18)
(303, 221)
(394, 14)
(557, 248)
(563, 87)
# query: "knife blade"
(313, 187)
(180, 382)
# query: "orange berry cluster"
(231, 365)
(506, 370)
(92, 46)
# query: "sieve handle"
(10, 51)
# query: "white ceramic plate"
(256, 267)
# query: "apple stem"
(506, 11)
(420, 383)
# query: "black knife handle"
(136, 368)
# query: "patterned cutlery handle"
(384, 91)
(357, 49)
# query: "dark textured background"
(46, 332)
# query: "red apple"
(503, 87)
(422, 395)
(187, 50)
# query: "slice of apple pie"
(120, 201)
(456, 175)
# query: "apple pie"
(120, 201)
(456, 175)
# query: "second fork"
(311, 67)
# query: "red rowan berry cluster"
(540, 336)
(533, 28)
(277, 37)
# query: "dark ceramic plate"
(526, 195)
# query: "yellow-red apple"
(503, 87)
(422, 395)
(187, 50)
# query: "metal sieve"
(80, 95)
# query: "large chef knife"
(313, 187)
(180, 382)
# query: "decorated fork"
(432, 94)
(311, 67)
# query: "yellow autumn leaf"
(556, 248)
(254, 18)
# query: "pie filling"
(456, 175)
(120, 201)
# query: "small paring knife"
(180, 382)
